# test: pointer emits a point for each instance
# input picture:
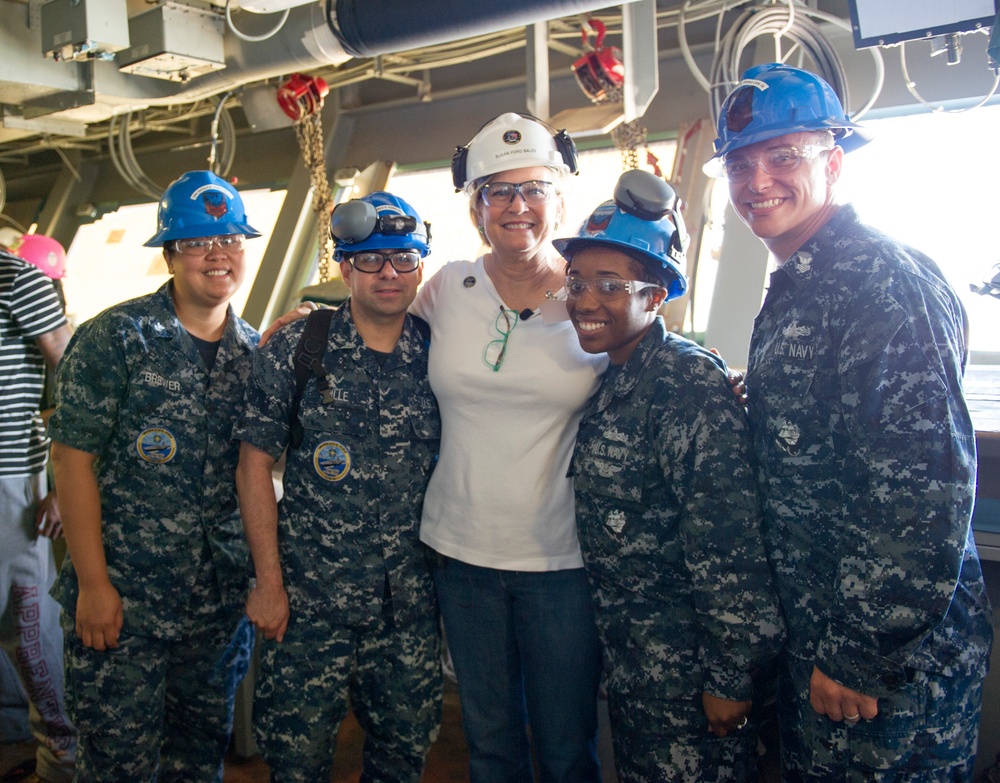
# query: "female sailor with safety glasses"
(666, 506)
(154, 586)
(499, 510)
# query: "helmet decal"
(215, 200)
(740, 112)
(215, 205)
(600, 219)
(511, 137)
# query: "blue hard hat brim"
(676, 287)
(191, 232)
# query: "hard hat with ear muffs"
(512, 141)
(378, 221)
(641, 221)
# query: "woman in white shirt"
(511, 384)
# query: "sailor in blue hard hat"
(154, 584)
(202, 228)
(665, 497)
(782, 134)
(628, 246)
(866, 453)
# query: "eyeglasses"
(534, 192)
(496, 350)
(605, 289)
(371, 262)
(230, 244)
(778, 161)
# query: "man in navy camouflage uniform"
(344, 595)
(867, 461)
(667, 508)
(154, 584)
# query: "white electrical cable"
(912, 88)
(253, 38)
(791, 22)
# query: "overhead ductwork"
(312, 36)
(366, 28)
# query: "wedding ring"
(853, 718)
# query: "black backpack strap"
(308, 361)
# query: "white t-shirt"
(499, 496)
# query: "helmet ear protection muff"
(651, 198)
(377, 221)
(355, 221)
(641, 221)
(563, 142)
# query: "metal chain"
(628, 136)
(309, 132)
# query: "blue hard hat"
(641, 222)
(775, 99)
(378, 221)
(200, 204)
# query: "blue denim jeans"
(526, 653)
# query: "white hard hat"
(512, 141)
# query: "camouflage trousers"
(667, 741)
(152, 710)
(389, 676)
(926, 732)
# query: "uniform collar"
(166, 324)
(806, 263)
(624, 380)
(344, 336)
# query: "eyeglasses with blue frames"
(781, 160)
(371, 262)
(535, 192)
(231, 244)
(605, 289)
(496, 350)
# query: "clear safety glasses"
(739, 168)
(202, 246)
(605, 289)
(535, 192)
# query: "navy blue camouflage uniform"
(867, 469)
(669, 525)
(362, 618)
(134, 390)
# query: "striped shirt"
(29, 307)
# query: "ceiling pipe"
(367, 28)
